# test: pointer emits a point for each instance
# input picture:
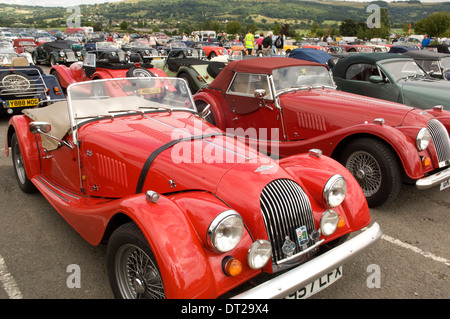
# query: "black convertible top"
(57, 45)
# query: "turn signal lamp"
(231, 266)
(341, 221)
(426, 161)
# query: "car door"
(253, 117)
(59, 160)
(368, 80)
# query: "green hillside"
(262, 13)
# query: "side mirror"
(376, 79)
(205, 112)
(40, 127)
(260, 93)
(44, 128)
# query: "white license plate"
(445, 184)
(317, 285)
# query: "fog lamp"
(329, 222)
(259, 254)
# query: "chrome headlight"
(225, 231)
(78, 53)
(61, 54)
(423, 139)
(147, 52)
(329, 222)
(259, 254)
(334, 191)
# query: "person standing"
(249, 42)
(267, 44)
(152, 41)
(279, 44)
(426, 41)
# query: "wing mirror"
(260, 93)
(376, 79)
(44, 128)
(205, 112)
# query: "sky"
(57, 3)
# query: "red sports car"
(186, 210)
(294, 106)
(93, 68)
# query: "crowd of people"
(263, 45)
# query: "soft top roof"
(425, 54)
(57, 45)
(371, 58)
(263, 65)
(310, 54)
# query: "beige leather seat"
(19, 61)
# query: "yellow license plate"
(22, 103)
(150, 91)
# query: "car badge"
(288, 247)
(263, 168)
(302, 235)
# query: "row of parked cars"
(251, 187)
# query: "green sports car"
(393, 77)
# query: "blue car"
(25, 86)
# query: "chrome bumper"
(299, 277)
(433, 180)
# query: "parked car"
(314, 55)
(125, 175)
(436, 64)
(391, 77)
(195, 71)
(178, 45)
(93, 68)
(22, 45)
(211, 50)
(143, 48)
(7, 54)
(23, 86)
(380, 143)
(57, 52)
(103, 50)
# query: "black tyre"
(183, 90)
(19, 168)
(132, 268)
(376, 168)
(52, 60)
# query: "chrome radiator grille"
(71, 56)
(441, 141)
(285, 208)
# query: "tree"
(123, 25)
(435, 25)
(234, 27)
(348, 28)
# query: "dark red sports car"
(290, 106)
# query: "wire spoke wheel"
(137, 275)
(366, 170)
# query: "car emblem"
(263, 168)
(302, 235)
(288, 247)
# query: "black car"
(103, 50)
(142, 48)
(24, 86)
(57, 52)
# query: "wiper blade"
(156, 108)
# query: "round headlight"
(334, 191)
(61, 54)
(423, 139)
(147, 52)
(259, 254)
(225, 231)
(329, 222)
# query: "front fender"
(65, 75)
(27, 142)
(178, 252)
